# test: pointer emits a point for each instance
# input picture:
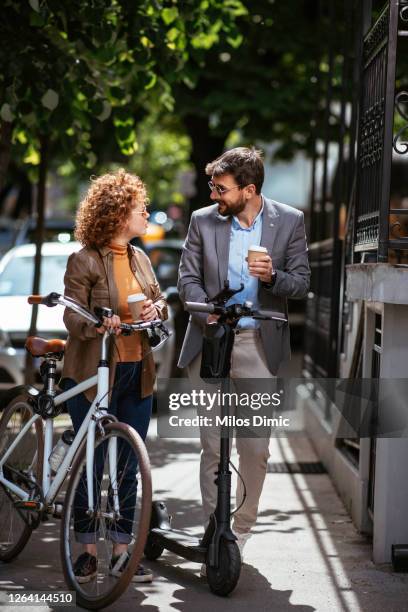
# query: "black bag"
(216, 353)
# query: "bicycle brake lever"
(126, 329)
(101, 312)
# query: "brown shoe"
(85, 568)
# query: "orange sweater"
(129, 347)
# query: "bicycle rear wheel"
(104, 527)
(23, 468)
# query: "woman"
(104, 273)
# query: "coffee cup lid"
(136, 297)
(258, 249)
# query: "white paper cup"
(136, 302)
(255, 252)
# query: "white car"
(16, 280)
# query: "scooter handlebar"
(200, 307)
(270, 314)
(257, 314)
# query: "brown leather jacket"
(89, 280)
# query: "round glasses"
(220, 189)
(143, 211)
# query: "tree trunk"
(6, 132)
(39, 238)
(24, 204)
(206, 147)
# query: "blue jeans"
(127, 405)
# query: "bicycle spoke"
(21, 468)
(104, 526)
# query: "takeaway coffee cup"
(255, 252)
(135, 303)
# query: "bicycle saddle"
(38, 347)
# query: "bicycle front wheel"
(22, 468)
(121, 514)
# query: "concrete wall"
(383, 289)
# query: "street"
(305, 554)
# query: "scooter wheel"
(223, 579)
(152, 550)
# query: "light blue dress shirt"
(241, 239)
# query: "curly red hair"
(107, 206)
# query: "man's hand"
(213, 318)
(262, 268)
(111, 323)
(149, 311)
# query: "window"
(17, 278)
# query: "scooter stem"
(220, 521)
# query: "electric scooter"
(218, 548)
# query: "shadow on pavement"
(254, 592)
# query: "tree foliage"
(163, 158)
(64, 65)
(90, 73)
(268, 83)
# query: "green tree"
(161, 159)
(62, 64)
(75, 61)
(265, 82)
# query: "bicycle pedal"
(29, 505)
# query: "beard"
(230, 209)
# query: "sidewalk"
(305, 554)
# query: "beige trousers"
(247, 361)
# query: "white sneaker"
(203, 571)
(118, 565)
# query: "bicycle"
(103, 452)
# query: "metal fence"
(319, 323)
(330, 196)
(376, 139)
(353, 218)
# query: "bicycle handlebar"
(54, 299)
(47, 300)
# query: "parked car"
(16, 279)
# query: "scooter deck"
(179, 543)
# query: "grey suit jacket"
(204, 268)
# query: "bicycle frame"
(97, 410)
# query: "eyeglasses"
(143, 211)
(221, 190)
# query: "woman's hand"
(149, 311)
(110, 323)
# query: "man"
(215, 250)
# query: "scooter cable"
(243, 484)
